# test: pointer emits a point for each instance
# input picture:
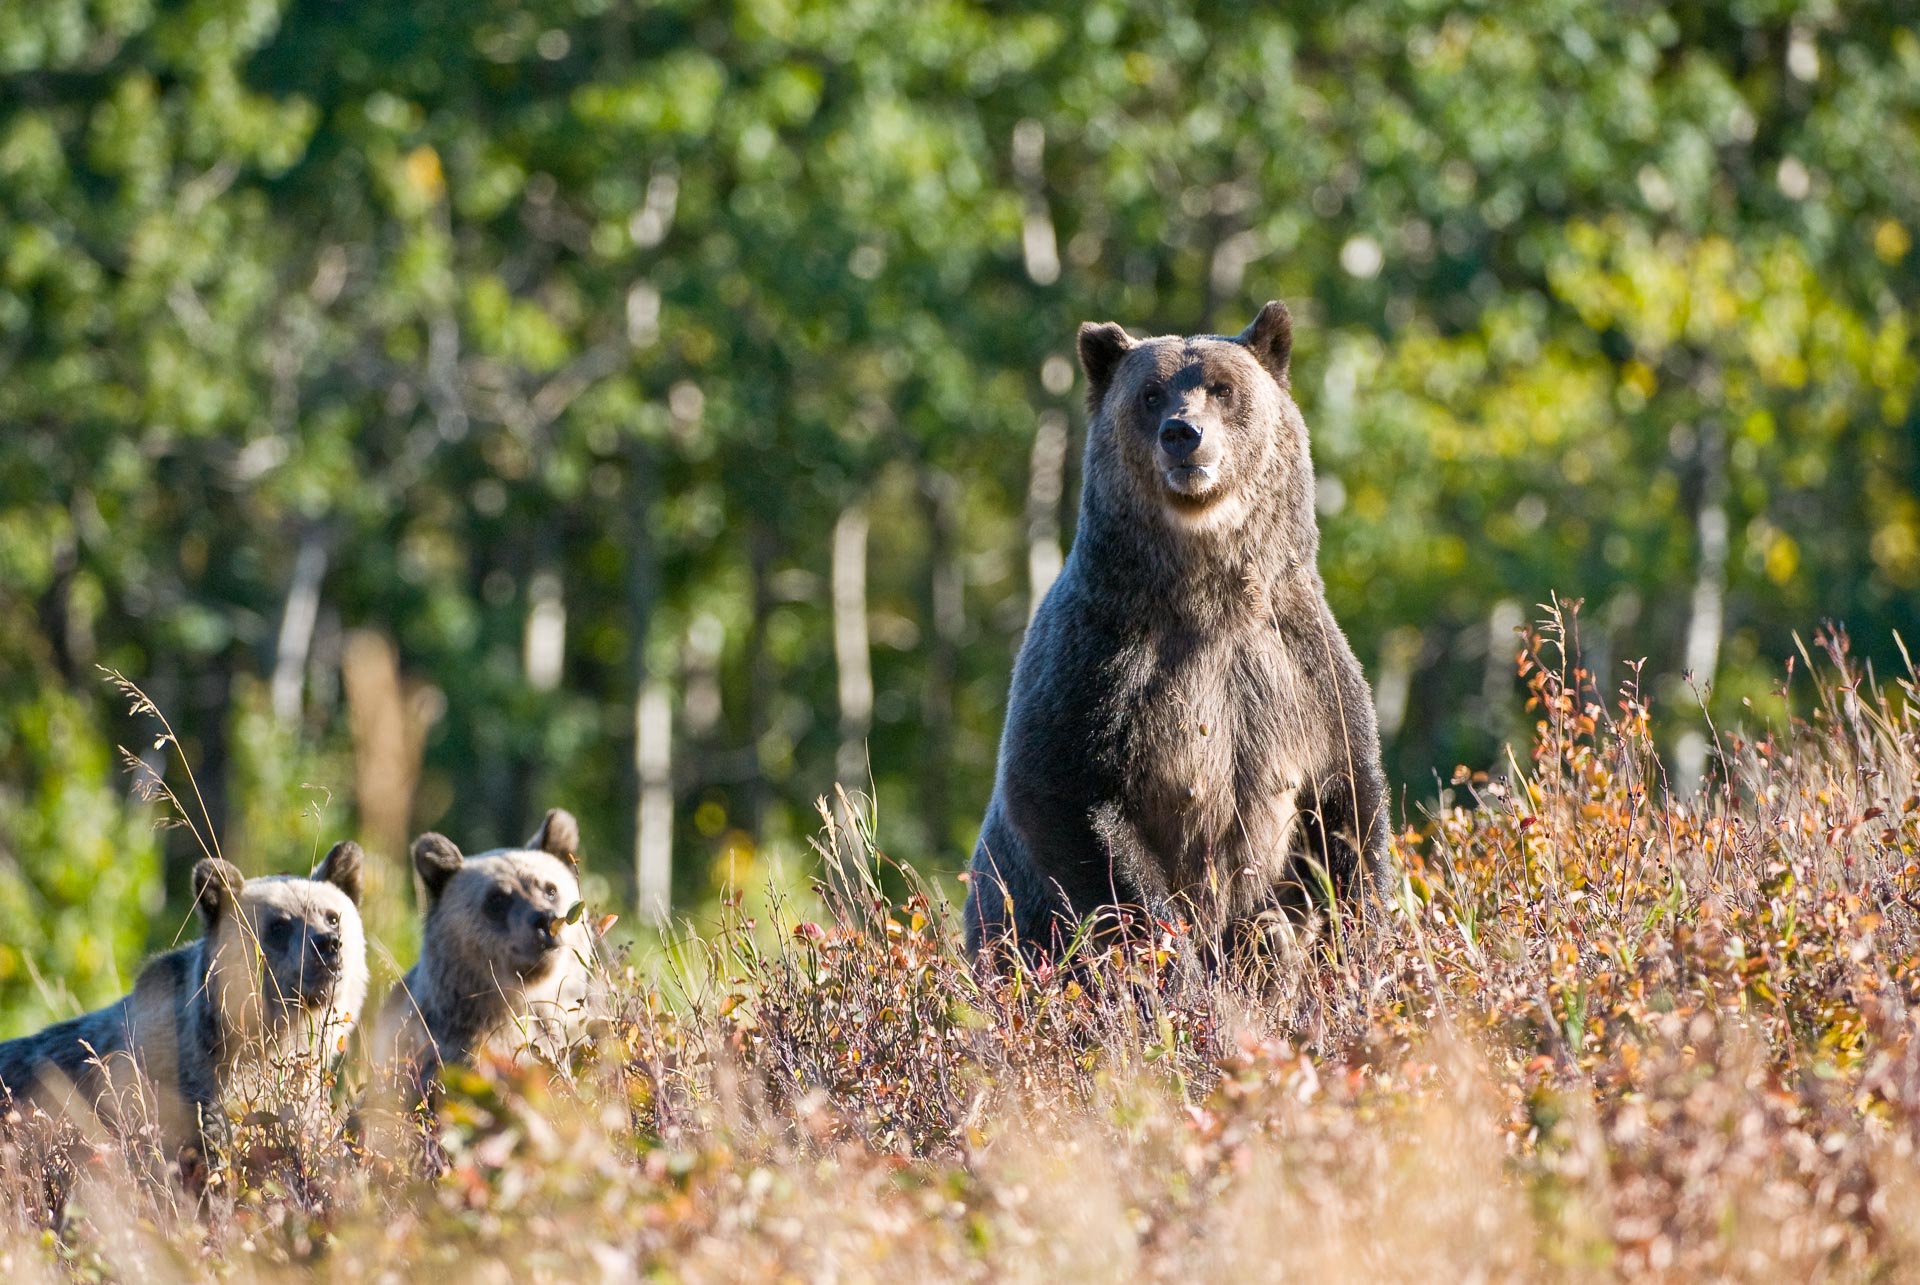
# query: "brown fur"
(498, 968)
(1188, 732)
(235, 1019)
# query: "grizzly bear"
(1188, 732)
(506, 962)
(260, 1005)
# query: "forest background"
(667, 410)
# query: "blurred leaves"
(642, 296)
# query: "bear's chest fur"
(1208, 735)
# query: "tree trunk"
(1707, 608)
(702, 705)
(853, 661)
(1046, 478)
(1706, 615)
(211, 711)
(544, 641)
(851, 651)
(948, 610)
(653, 815)
(1039, 244)
(652, 709)
(297, 620)
(1393, 681)
(1498, 677)
(388, 720)
(760, 676)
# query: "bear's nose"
(1178, 438)
(327, 946)
(547, 932)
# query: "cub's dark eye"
(552, 892)
(333, 919)
(496, 903)
(1153, 396)
(1220, 392)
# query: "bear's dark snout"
(1179, 438)
(546, 932)
(326, 948)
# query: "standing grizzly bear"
(503, 964)
(1188, 732)
(260, 1005)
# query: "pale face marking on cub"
(307, 938)
(259, 1004)
(500, 964)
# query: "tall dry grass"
(1600, 1031)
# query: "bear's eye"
(496, 903)
(1153, 396)
(333, 919)
(552, 892)
(1220, 392)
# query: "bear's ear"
(341, 868)
(436, 860)
(1270, 337)
(216, 887)
(558, 835)
(1102, 345)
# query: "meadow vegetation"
(1603, 1027)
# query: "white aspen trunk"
(852, 651)
(1706, 618)
(947, 592)
(1046, 475)
(1039, 244)
(653, 820)
(701, 707)
(296, 626)
(1497, 680)
(1394, 683)
(653, 805)
(853, 658)
(443, 377)
(544, 642)
(761, 674)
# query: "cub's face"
(510, 906)
(502, 913)
(306, 933)
(1191, 423)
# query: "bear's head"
(503, 914)
(1198, 430)
(283, 945)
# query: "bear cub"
(262, 1002)
(502, 966)
(1188, 732)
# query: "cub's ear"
(558, 835)
(436, 860)
(1270, 337)
(1102, 345)
(341, 868)
(216, 887)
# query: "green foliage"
(288, 799)
(630, 302)
(79, 867)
